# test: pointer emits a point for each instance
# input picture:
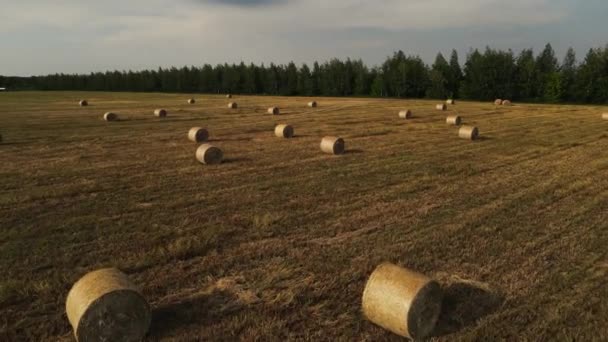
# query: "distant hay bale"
(209, 154)
(453, 120)
(198, 134)
(468, 132)
(450, 102)
(109, 116)
(442, 107)
(233, 105)
(605, 116)
(273, 111)
(332, 145)
(405, 114)
(228, 96)
(105, 306)
(506, 103)
(191, 101)
(312, 104)
(498, 102)
(161, 113)
(83, 103)
(284, 131)
(402, 301)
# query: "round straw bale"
(498, 102)
(191, 101)
(161, 113)
(209, 154)
(450, 102)
(228, 96)
(284, 131)
(83, 103)
(109, 116)
(605, 116)
(198, 134)
(233, 105)
(332, 145)
(506, 103)
(468, 132)
(312, 104)
(405, 114)
(274, 111)
(442, 106)
(453, 120)
(402, 301)
(105, 306)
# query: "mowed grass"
(277, 242)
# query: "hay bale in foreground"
(442, 107)
(161, 113)
(233, 105)
(468, 132)
(109, 116)
(405, 114)
(450, 101)
(274, 110)
(198, 134)
(105, 306)
(209, 154)
(506, 103)
(498, 102)
(453, 120)
(83, 103)
(402, 301)
(284, 131)
(191, 101)
(605, 116)
(332, 145)
(312, 104)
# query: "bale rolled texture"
(498, 102)
(109, 116)
(198, 134)
(332, 145)
(273, 111)
(284, 131)
(405, 114)
(83, 103)
(453, 120)
(468, 132)
(442, 106)
(506, 103)
(209, 154)
(161, 113)
(105, 306)
(191, 101)
(312, 104)
(605, 116)
(450, 102)
(402, 301)
(233, 105)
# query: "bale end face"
(312, 104)
(273, 111)
(405, 114)
(498, 102)
(198, 134)
(161, 113)
(442, 107)
(333, 145)
(468, 132)
(402, 301)
(105, 306)
(453, 120)
(233, 105)
(284, 131)
(83, 103)
(191, 101)
(506, 103)
(605, 116)
(110, 116)
(209, 154)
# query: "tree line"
(483, 76)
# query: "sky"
(80, 36)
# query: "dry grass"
(277, 242)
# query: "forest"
(483, 76)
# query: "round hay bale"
(273, 111)
(468, 132)
(105, 306)
(284, 131)
(312, 104)
(332, 145)
(453, 120)
(161, 113)
(191, 101)
(498, 102)
(405, 114)
(233, 105)
(209, 154)
(450, 102)
(605, 116)
(109, 116)
(506, 103)
(83, 103)
(442, 107)
(402, 301)
(228, 96)
(198, 134)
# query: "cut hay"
(498, 102)
(209, 154)
(161, 113)
(233, 105)
(332, 145)
(605, 116)
(312, 104)
(405, 114)
(105, 306)
(284, 131)
(506, 103)
(191, 101)
(274, 110)
(453, 120)
(450, 101)
(83, 103)
(198, 134)
(109, 116)
(442, 107)
(402, 301)
(468, 132)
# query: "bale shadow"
(235, 160)
(464, 303)
(229, 139)
(354, 151)
(484, 138)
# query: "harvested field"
(277, 242)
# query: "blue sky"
(41, 36)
